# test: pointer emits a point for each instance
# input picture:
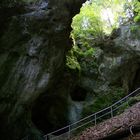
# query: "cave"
(46, 114)
(78, 94)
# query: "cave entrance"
(49, 113)
(136, 81)
(78, 94)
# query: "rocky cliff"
(117, 61)
(34, 40)
(36, 91)
(117, 69)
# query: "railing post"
(46, 138)
(111, 111)
(114, 107)
(69, 133)
(95, 119)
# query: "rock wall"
(34, 40)
(117, 61)
(114, 69)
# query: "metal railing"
(69, 131)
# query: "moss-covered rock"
(114, 69)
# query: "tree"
(97, 19)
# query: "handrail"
(69, 128)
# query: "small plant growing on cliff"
(71, 60)
(104, 100)
(137, 11)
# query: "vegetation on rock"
(39, 67)
(104, 100)
(94, 28)
(96, 21)
(137, 11)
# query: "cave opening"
(78, 94)
(49, 113)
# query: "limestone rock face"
(118, 62)
(117, 69)
(33, 42)
(121, 63)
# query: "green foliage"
(100, 17)
(87, 24)
(129, 103)
(84, 51)
(135, 32)
(85, 57)
(71, 60)
(133, 29)
(96, 19)
(78, 56)
(105, 100)
(137, 11)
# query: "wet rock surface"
(34, 89)
(117, 59)
(33, 45)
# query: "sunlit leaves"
(99, 16)
(137, 11)
(86, 23)
(97, 19)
